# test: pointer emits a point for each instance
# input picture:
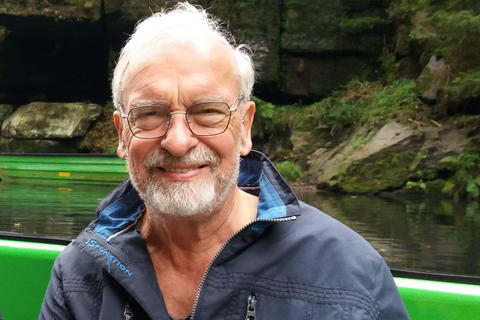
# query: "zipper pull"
(251, 311)
(128, 313)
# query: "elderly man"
(205, 228)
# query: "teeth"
(180, 170)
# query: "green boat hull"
(24, 274)
(25, 271)
(62, 169)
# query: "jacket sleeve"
(388, 298)
(54, 304)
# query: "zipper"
(128, 312)
(202, 282)
(251, 305)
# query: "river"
(429, 234)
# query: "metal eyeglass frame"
(187, 121)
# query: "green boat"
(26, 263)
(62, 169)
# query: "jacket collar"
(123, 205)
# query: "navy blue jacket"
(294, 262)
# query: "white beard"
(200, 197)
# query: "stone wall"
(64, 50)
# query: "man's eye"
(207, 111)
(148, 114)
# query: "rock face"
(374, 160)
(432, 79)
(5, 111)
(325, 43)
(298, 45)
(41, 121)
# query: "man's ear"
(121, 149)
(247, 121)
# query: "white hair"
(182, 24)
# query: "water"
(422, 233)
(49, 210)
(429, 234)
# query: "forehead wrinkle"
(215, 97)
(148, 102)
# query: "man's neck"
(181, 248)
(183, 238)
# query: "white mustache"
(161, 158)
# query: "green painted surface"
(24, 274)
(62, 168)
(427, 300)
(25, 271)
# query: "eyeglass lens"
(206, 118)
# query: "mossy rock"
(433, 77)
(102, 137)
(44, 121)
(382, 173)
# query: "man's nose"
(178, 139)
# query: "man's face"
(180, 173)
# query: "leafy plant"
(271, 119)
(465, 181)
(289, 170)
(447, 29)
(401, 10)
(472, 208)
(361, 102)
(465, 85)
(454, 27)
(399, 96)
(417, 185)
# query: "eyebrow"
(155, 102)
(162, 102)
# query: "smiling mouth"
(181, 169)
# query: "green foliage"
(472, 208)
(333, 113)
(399, 96)
(453, 28)
(448, 24)
(401, 10)
(289, 171)
(271, 120)
(465, 181)
(427, 174)
(446, 30)
(358, 25)
(465, 85)
(417, 185)
(361, 102)
(389, 67)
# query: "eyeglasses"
(202, 119)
